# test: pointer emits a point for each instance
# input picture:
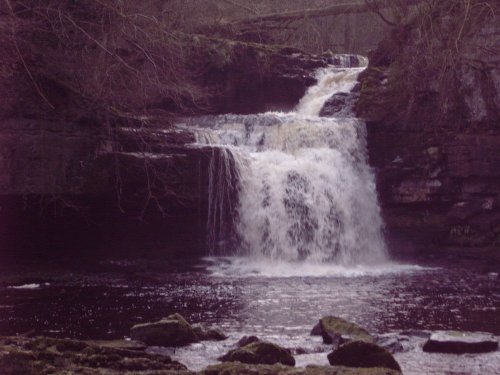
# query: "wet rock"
(17, 363)
(236, 368)
(393, 343)
(340, 104)
(208, 334)
(260, 352)
(308, 350)
(460, 342)
(463, 211)
(443, 192)
(245, 340)
(119, 344)
(362, 354)
(316, 331)
(171, 331)
(299, 351)
(336, 331)
(42, 355)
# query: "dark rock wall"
(253, 78)
(70, 184)
(434, 134)
(67, 190)
(67, 184)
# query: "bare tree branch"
(331, 10)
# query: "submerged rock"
(460, 342)
(336, 331)
(260, 352)
(362, 354)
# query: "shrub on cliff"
(439, 66)
(96, 58)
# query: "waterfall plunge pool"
(102, 301)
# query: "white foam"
(330, 81)
(250, 267)
(25, 286)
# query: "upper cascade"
(305, 190)
(330, 82)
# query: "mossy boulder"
(362, 354)
(171, 331)
(336, 331)
(43, 355)
(260, 352)
(174, 330)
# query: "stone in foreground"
(171, 331)
(337, 331)
(236, 368)
(42, 355)
(362, 354)
(260, 352)
(455, 342)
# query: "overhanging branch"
(332, 10)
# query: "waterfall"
(305, 191)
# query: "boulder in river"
(174, 330)
(336, 331)
(455, 342)
(362, 354)
(171, 331)
(260, 352)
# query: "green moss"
(342, 327)
(260, 352)
(171, 331)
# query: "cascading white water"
(329, 83)
(305, 189)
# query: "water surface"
(277, 302)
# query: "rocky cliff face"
(432, 101)
(72, 184)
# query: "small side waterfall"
(304, 189)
